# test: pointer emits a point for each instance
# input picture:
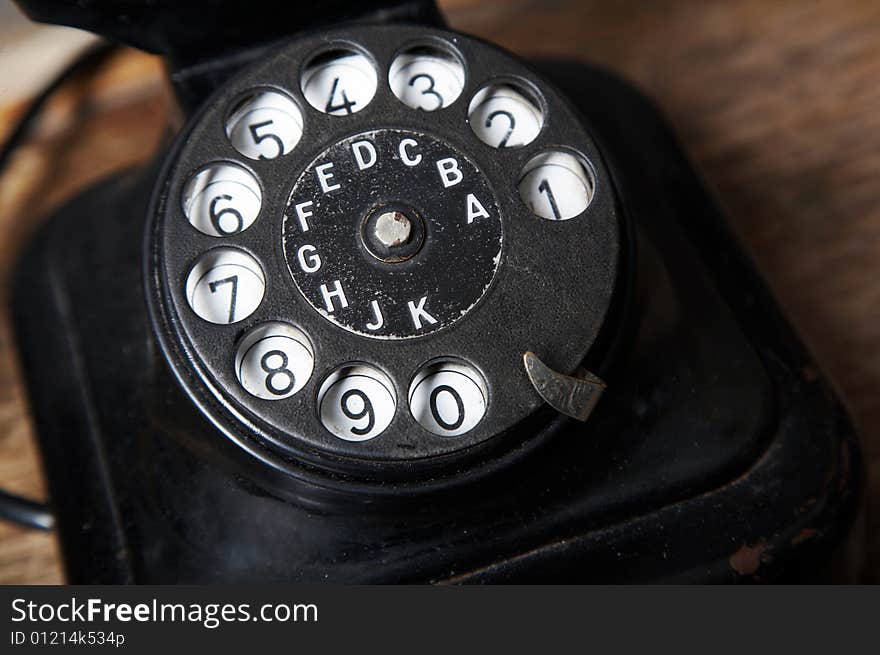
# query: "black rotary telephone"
(396, 306)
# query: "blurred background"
(777, 103)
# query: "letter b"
(449, 171)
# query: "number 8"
(274, 371)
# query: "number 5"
(259, 138)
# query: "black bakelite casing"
(562, 288)
(718, 453)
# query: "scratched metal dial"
(343, 227)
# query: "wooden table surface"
(777, 103)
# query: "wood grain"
(777, 103)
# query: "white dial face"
(426, 78)
(339, 83)
(265, 125)
(274, 361)
(356, 402)
(556, 185)
(503, 117)
(448, 398)
(222, 199)
(225, 286)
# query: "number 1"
(544, 186)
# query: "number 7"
(233, 280)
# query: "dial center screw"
(392, 228)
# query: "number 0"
(459, 406)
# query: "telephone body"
(396, 306)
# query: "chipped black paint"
(451, 270)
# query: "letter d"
(364, 154)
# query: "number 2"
(511, 125)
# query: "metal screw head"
(392, 228)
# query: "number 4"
(346, 104)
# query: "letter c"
(405, 156)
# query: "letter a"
(475, 209)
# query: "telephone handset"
(393, 267)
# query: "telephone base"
(718, 453)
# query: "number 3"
(428, 90)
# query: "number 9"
(356, 402)
(366, 411)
